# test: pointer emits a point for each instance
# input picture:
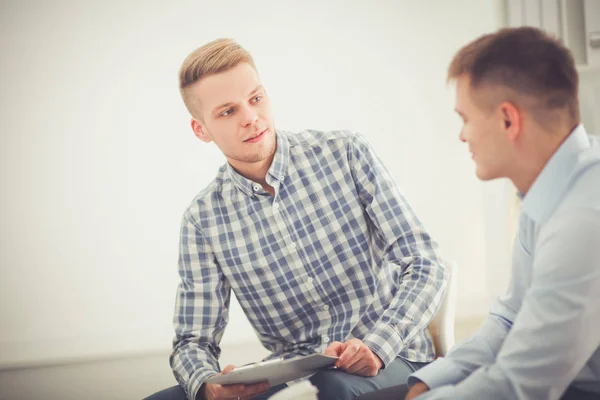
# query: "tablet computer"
(275, 371)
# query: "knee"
(332, 386)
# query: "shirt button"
(293, 246)
(325, 307)
(280, 177)
(276, 206)
(326, 339)
(256, 188)
(309, 280)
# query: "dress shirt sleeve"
(402, 243)
(480, 350)
(558, 327)
(201, 310)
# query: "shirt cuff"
(384, 341)
(439, 373)
(196, 380)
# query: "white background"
(98, 163)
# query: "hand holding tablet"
(275, 371)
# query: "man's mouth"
(256, 137)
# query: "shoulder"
(583, 191)
(207, 198)
(317, 138)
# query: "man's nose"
(250, 117)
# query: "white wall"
(97, 161)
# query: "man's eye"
(227, 112)
(256, 99)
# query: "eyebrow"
(256, 89)
(229, 104)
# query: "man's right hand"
(418, 389)
(232, 392)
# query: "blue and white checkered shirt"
(336, 253)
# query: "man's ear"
(511, 120)
(200, 130)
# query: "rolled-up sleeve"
(404, 245)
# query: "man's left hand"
(355, 357)
(417, 390)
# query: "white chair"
(442, 325)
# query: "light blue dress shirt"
(543, 335)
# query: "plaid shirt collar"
(277, 170)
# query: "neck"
(256, 171)
(535, 154)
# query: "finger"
(227, 369)
(254, 389)
(357, 366)
(363, 359)
(229, 391)
(248, 391)
(334, 349)
(359, 359)
(367, 370)
(350, 350)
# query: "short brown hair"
(525, 60)
(215, 57)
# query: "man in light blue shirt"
(517, 96)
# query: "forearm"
(404, 252)
(201, 311)
(557, 327)
(478, 351)
(418, 297)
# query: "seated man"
(312, 235)
(516, 91)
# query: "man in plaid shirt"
(312, 235)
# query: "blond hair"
(215, 57)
